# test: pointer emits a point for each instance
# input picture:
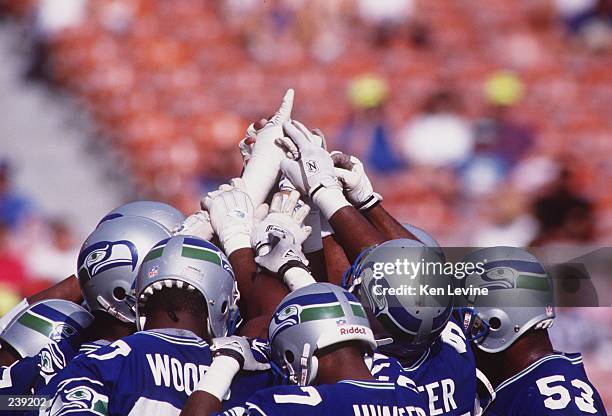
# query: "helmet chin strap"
(307, 372)
(113, 311)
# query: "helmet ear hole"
(289, 356)
(119, 293)
(224, 307)
(494, 323)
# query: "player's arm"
(19, 377)
(360, 193)
(312, 172)
(232, 217)
(386, 224)
(230, 355)
(67, 289)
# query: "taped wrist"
(219, 376)
(329, 200)
(370, 202)
(296, 276)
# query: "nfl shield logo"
(549, 310)
(153, 272)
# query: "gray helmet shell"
(424, 237)
(43, 322)
(314, 317)
(520, 295)
(194, 264)
(162, 213)
(108, 263)
(411, 322)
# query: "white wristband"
(296, 278)
(218, 379)
(8, 317)
(236, 242)
(330, 200)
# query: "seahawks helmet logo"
(106, 255)
(285, 318)
(62, 330)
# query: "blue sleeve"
(84, 386)
(19, 377)
(284, 400)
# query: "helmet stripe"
(154, 254)
(519, 265)
(357, 309)
(200, 253)
(310, 299)
(321, 312)
(534, 282)
(36, 323)
(56, 315)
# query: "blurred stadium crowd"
(483, 125)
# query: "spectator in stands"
(592, 21)
(563, 215)
(55, 258)
(440, 135)
(365, 134)
(14, 278)
(14, 208)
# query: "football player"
(186, 296)
(34, 338)
(415, 336)
(319, 336)
(164, 214)
(520, 369)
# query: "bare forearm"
(67, 289)
(245, 270)
(386, 224)
(336, 261)
(201, 403)
(354, 232)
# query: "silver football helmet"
(520, 297)
(108, 263)
(424, 237)
(42, 322)
(164, 214)
(405, 320)
(194, 264)
(308, 319)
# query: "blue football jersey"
(150, 372)
(445, 375)
(554, 385)
(345, 398)
(28, 374)
(19, 377)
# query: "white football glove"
(312, 172)
(262, 171)
(197, 224)
(314, 241)
(231, 215)
(356, 183)
(286, 215)
(251, 354)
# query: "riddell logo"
(352, 330)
